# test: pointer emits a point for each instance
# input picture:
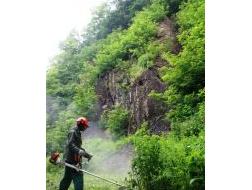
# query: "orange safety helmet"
(82, 121)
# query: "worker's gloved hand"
(85, 154)
(89, 157)
(82, 152)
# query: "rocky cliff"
(116, 87)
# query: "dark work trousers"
(72, 174)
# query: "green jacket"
(73, 147)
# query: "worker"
(73, 155)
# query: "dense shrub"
(116, 120)
(192, 126)
(186, 73)
(168, 163)
(130, 43)
(176, 161)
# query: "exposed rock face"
(142, 107)
(115, 87)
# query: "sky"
(40, 25)
(63, 16)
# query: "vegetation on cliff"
(126, 38)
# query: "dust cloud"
(111, 157)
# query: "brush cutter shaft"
(71, 166)
(102, 178)
(84, 171)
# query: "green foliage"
(187, 71)
(135, 71)
(116, 120)
(172, 6)
(53, 175)
(97, 27)
(56, 136)
(116, 14)
(73, 73)
(62, 78)
(72, 43)
(123, 36)
(85, 100)
(138, 5)
(185, 74)
(153, 50)
(123, 45)
(145, 165)
(168, 163)
(176, 161)
(182, 107)
(192, 126)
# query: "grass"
(90, 182)
(105, 155)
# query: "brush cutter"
(55, 159)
